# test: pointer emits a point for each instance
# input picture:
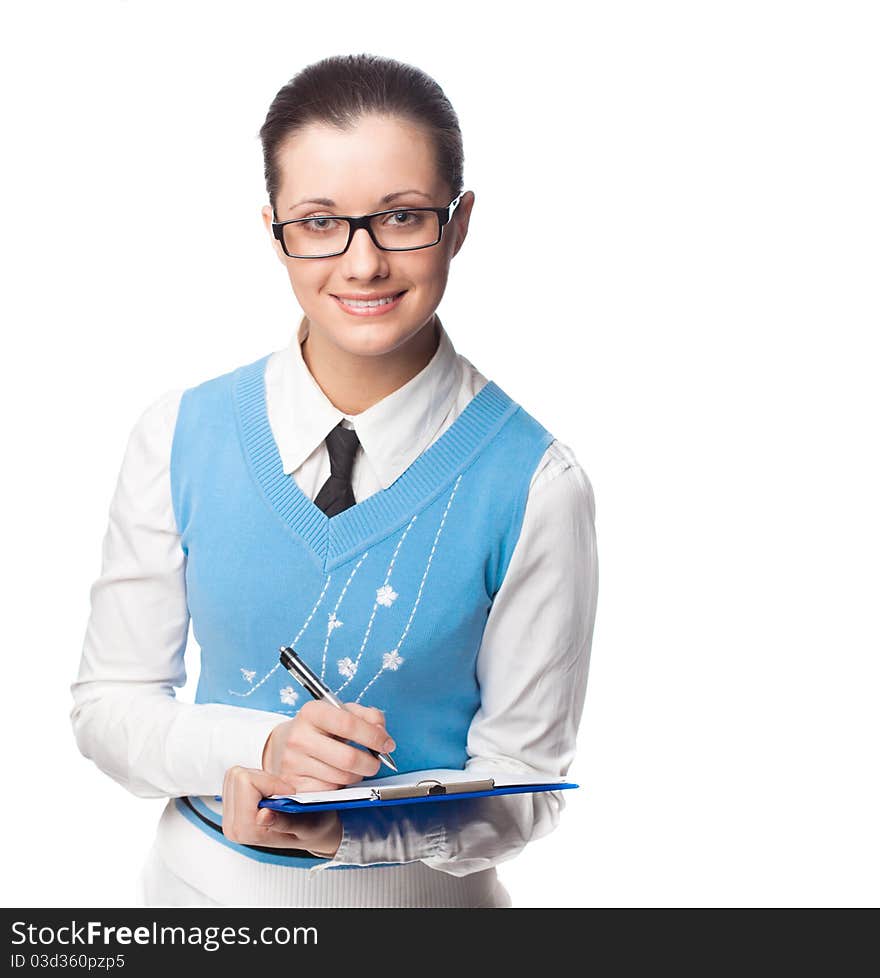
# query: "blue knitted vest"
(386, 601)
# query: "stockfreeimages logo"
(94, 932)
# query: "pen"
(315, 688)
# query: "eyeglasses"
(405, 229)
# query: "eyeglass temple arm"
(455, 204)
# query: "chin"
(375, 339)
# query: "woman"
(366, 496)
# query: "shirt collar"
(393, 432)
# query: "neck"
(352, 383)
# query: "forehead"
(364, 161)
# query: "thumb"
(247, 785)
(265, 817)
(270, 784)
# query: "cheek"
(306, 279)
(430, 272)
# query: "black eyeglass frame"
(444, 215)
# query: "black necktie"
(337, 494)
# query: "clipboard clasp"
(430, 787)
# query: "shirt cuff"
(389, 836)
(245, 737)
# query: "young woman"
(368, 497)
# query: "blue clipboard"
(423, 792)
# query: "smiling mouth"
(369, 303)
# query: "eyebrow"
(326, 202)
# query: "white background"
(672, 264)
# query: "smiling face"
(358, 170)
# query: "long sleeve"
(125, 716)
(532, 668)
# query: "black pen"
(313, 685)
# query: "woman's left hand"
(243, 788)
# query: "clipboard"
(417, 787)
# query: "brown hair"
(338, 90)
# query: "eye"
(403, 218)
(317, 223)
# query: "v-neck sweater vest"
(387, 601)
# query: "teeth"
(365, 304)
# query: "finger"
(301, 826)
(321, 833)
(349, 726)
(287, 840)
(316, 832)
(306, 768)
(244, 822)
(316, 784)
(314, 823)
(349, 723)
(249, 825)
(236, 790)
(263, 783)
(243, 789)
(279, 840)
(277, 829)
(346, 758)
(371, 714)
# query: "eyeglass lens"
(403, 230)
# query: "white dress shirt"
(532, 664)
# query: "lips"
(374, 306)
(368, 297)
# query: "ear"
(266, 213)
(461, 219)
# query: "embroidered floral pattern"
(391, 660)
(347, 667)
(385, 595)
(249, 674)
(289, 695)
(332, 622)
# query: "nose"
(363, 259)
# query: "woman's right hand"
(309, 751)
